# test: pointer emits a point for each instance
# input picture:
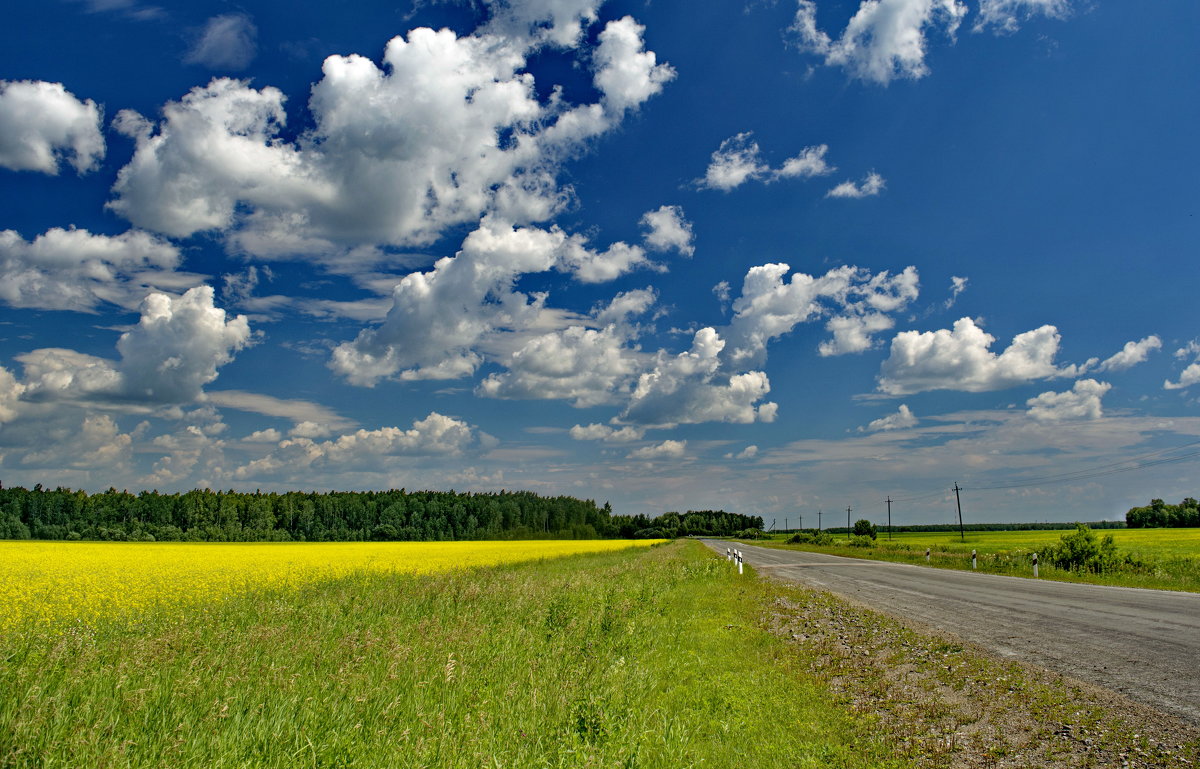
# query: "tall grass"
(631, 659)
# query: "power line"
(922, 497)
(1097, 471)
(1080, 475)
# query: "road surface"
(1144, 644)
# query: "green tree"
(864, 528)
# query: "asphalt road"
(1144, 644)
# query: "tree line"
(693, 523)
(1160, 515)
(203, 515)
(1025, 526)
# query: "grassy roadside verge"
(652, 659)
(1173, 572)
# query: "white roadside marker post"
(974, 565)
(728, 554)
(926, 555)
(739, 562)
(1035, 575)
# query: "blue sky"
(771, 257)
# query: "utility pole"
(847, 521)
(958, 502)
(785, 527)
(801, 526)
(889, 501)
(818, 519)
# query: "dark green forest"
(229, 516)
(1159, 515)
(1026, 526)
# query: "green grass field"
(1172, 556)
(1156, 543)
(632, 659)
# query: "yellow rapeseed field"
(52, 583)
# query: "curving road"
(1144, 644)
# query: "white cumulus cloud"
(435, 435)
(589, 266)
(884, 40)
(960, 359)
(666, 229)
(444, 131)
(1190, 375)
(43, 123)
(871, 185)
(666, 450)
(901, 420)
(175, 349)
(853, 333)
(586, 365)
(558, 22)
(810, 162)
(10, 396)
(440, 318)
(738, 160)
(1080, 402)
(270, 435)
(73, 269)
(689, 388)
(96, 444)
(626, 73)
(750, 452)
(599, 432)
(856, 300)
(734, 163)
(1132, 354)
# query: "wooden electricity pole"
(889, 501)
(958, 502)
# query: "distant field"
(49, 583)
(1171, 556)
(1151, 542)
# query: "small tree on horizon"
(864, 528)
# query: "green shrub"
(859, 540)
(811, 538)
(864, 528)
(1080, 550)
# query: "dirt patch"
(946, 703)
